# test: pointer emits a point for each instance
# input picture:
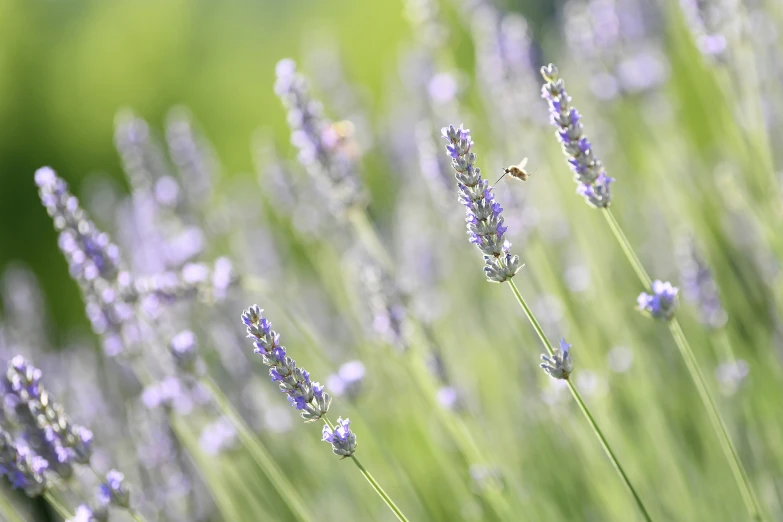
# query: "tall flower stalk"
(661, 303)
(328, 163)
(307, 396)
(485, 228)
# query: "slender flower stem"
(582, 406)
(637, 266)
(374, 483)
(729, 450)
(7, 510)
(135, 515)
(259, 454)
(719, 426)
(378, 489)
(456, 426)
(61, 510)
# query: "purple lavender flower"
(306, 396)
(559, 365)
(483, 214)
(342, 439)
(708, 21)
(321, 149)
(348, 379)
(85, 514)
(218, 436)
(94, 261)
(193, 156)
(594, 184)
(22, 467)
(698, 285)
(183, 349)
(113, 490)
(42, 422)
(662, 303)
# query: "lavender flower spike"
(560, 365)
(483, 213)
(589, 172)
(662, 303)
(321, 152)
(22, 467)
(341, 438)
(42, 422)
(306, 396)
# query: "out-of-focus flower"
(559, 365)
(661, 303)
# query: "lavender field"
(409, 260)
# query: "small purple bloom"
(341, 438)
(662, 303)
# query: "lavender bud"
(348, 379)
(483, 214)
(589, 173)
(662, 303)
(22, 467)
(93, 260)
(698, 284)
(43, 422)
(342, 439)
(183, 349)
(306, 396)
(559, 365)
(86, 514)
(322, 151)
(113, 491)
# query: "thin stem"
(582, 406)
(719, 426)
(7, 510)
(368, 235)
(608, 449)
(61, 510)
(627, 248)
(729, 450)
(135, 515)
(377, 487)
(259, 453)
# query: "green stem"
(719, 426)
(729, 450)
(377, 487)
(259, 453)
(61, 510)
(368, 235)
(582, 406)
(637, 266)
(135, 515)
(7, 510)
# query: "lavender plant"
(308, 397)
(661, 302)
(40, 447)
(486, 228)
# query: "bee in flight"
(516, 171)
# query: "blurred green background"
(698, 150)
(66, 68)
